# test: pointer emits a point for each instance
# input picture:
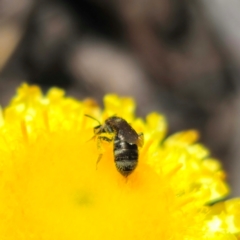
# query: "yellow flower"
(51, 187)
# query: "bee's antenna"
(92, 118)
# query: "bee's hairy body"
(125, 143)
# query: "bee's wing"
(140, 141)
(128, 134)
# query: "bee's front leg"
(99, 146)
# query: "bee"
(126, 142)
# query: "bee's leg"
(100, 139)
(99, 158)
(99, 146)
(103, 138)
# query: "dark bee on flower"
(125, 142)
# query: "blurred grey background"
(178, 57)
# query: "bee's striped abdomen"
(126, 156)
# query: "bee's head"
(101, 128)
(105, 128)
